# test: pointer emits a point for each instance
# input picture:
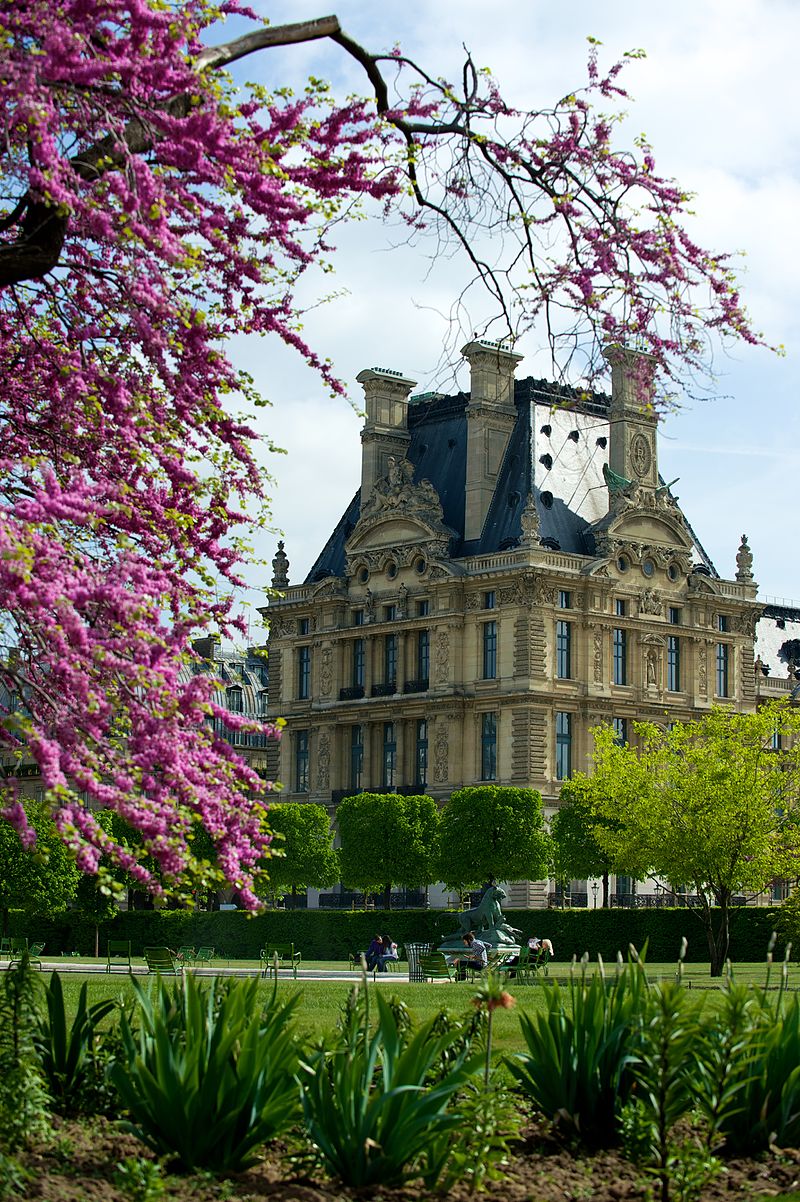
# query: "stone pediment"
(399, 516)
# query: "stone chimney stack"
(385, 432)
(491, 414)
(633, 451)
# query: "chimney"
(633, 451)
(491, 414)
(385, 432)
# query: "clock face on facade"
(641, 456)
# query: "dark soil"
(81, 1165)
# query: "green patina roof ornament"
(615, 482)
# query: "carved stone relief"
(598, 655)
(440, 754)
(702, 669)
(279, 628)
(326, 672)
(641, 455)
(323, 762)
(650, 602)
(442, 656)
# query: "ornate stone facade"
(437, 657)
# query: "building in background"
(511, 571)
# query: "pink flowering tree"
(151, 212)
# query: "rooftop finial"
(280, 568)
(744, 562)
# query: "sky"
(716, 97)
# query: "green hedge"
(332, 935)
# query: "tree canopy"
(387, 839)
(43, 882)
(150, 212)
(305, 839)
(575, 849)
(711, 806)
(492, 833)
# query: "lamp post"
(595, 887)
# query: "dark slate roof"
(556, 449)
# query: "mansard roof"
(557, 448)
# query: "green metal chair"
(185, 954)
(119, 949)
(203, 955)
(434, 966)
(280, 955)
(160, 960)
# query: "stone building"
(511, 571)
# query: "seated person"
(374, 951)
(477, 956)
(389, 952)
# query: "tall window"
(620, 731)
(563, 650)
(358, 617)
(563, 745)
(620, 656)
(489, 747)
(389, 755)
(390, 613)
(489, 600)
(235, 698)
(619, 607)
(489, 650)
(564, 599)
(303, 626)
(423, 654)
(421, 755)
(356, 758)
(674, 615)
(390, 659)
(673, 664)
(301, 761)
(303, 673)
(423, 608)
(358, 663)
(722, 669)
(722, 623)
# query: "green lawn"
(322, 1000)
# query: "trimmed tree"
(40, 882)
(492, 833)
(387, 839)
(575, 849)
(711, 804)
(303, 854)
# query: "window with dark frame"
(358, 663)
(303, 626)
(488, 746)
(423, 608)
(356, 757)
(564, 599)
(389, 755)
(489, 650)
(620, 726)
(390, 659)
(423, 654)
(358, 617)
(620, 644)
(303, 673)
(723, 666)
(674, 615)
(620, 607)
(301, 774)
(673, 664)
(563, 745)
(564, 650)
(421, 755)
(489, 600)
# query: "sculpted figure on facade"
(650, 602)
(442, 657)
(440, 754)
(324, 762)
(326, 672)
